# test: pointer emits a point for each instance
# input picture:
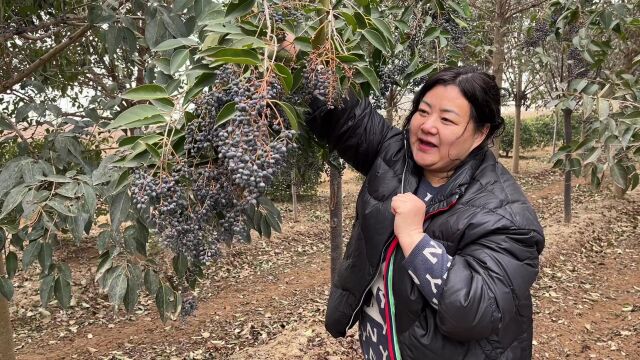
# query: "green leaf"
(274, 222)
(178, 59)
(151, 282)
(384, 28)
(78, 225)
(135, 115)
(265, 227)
(619, 175)
(226, 113)
(303, 43)
(270, 207)
(347, 58)
(174, 43)
(153, 151)
(603, 109)
(64, 206)
(104, 238)
(11, 264)
(239, 8)
(64, 271)
(164, 104)
(11, 174)
(118, 210)
(291, 113)
(104, 265)
(349, 19)
(146, 92)
(90, 199)
(180, 265)
(376, 40)
(134, 241)
(117, 287)
(204, 80)
(62, 291)
(285, 75)
(635, 180)
(421, 71)
(131, 295)
(30, 254)
(593, 155)
(152, 120)
(236, 56)
(6, 288)
(15, 197)
(587, 105)
(46, 289)
(68, 189)
(45, 256)
(371, 77)
(163, 301)
(575, 166)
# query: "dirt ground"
(266, 300)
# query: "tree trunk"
(498, 57)
(294, 195)
(555, 133)
(335, 216)
(390, 106)
(6, 331)
(517, 126)
(567, 173)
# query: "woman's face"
(441, 131)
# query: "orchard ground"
(266, 300)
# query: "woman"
(445, 245)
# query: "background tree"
(585, 42)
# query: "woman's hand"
(409, 211)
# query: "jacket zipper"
(384, 249)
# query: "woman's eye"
(448, 121)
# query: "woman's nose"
(429, 125)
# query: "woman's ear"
(481, 135)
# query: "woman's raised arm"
(354, 129)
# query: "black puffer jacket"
(482, 218)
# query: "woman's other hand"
(409, 213)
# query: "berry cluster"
(537, 35)
(200, 201)
(578, 66)
(180, 228)
(321, 81)
(390, 76)
(457, 35)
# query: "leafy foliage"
(596, 76)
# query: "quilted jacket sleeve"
(356, 130)
(486, 281)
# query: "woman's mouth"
(426, 145)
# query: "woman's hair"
(480, 90)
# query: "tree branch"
(15, 129)
(7, 34)
(44, 59)
(525, 7)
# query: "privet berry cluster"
(390, 76)
(201, 199)
(321, 81)
(458, 35)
